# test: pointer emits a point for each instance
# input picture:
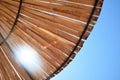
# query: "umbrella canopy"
(38, 38)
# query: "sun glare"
(28, 58)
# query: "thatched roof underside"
(52, 30)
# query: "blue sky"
(99, 59)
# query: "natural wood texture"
(50, 27)
(9, 67)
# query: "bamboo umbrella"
(40, 37)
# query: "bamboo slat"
(52, 31)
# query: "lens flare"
(28, 58)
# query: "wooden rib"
(52, 6)
(53, 31)
(49, 17)
(11, 64)
(13, 47)
(45, 16)
(21, 27)
(66, 35)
